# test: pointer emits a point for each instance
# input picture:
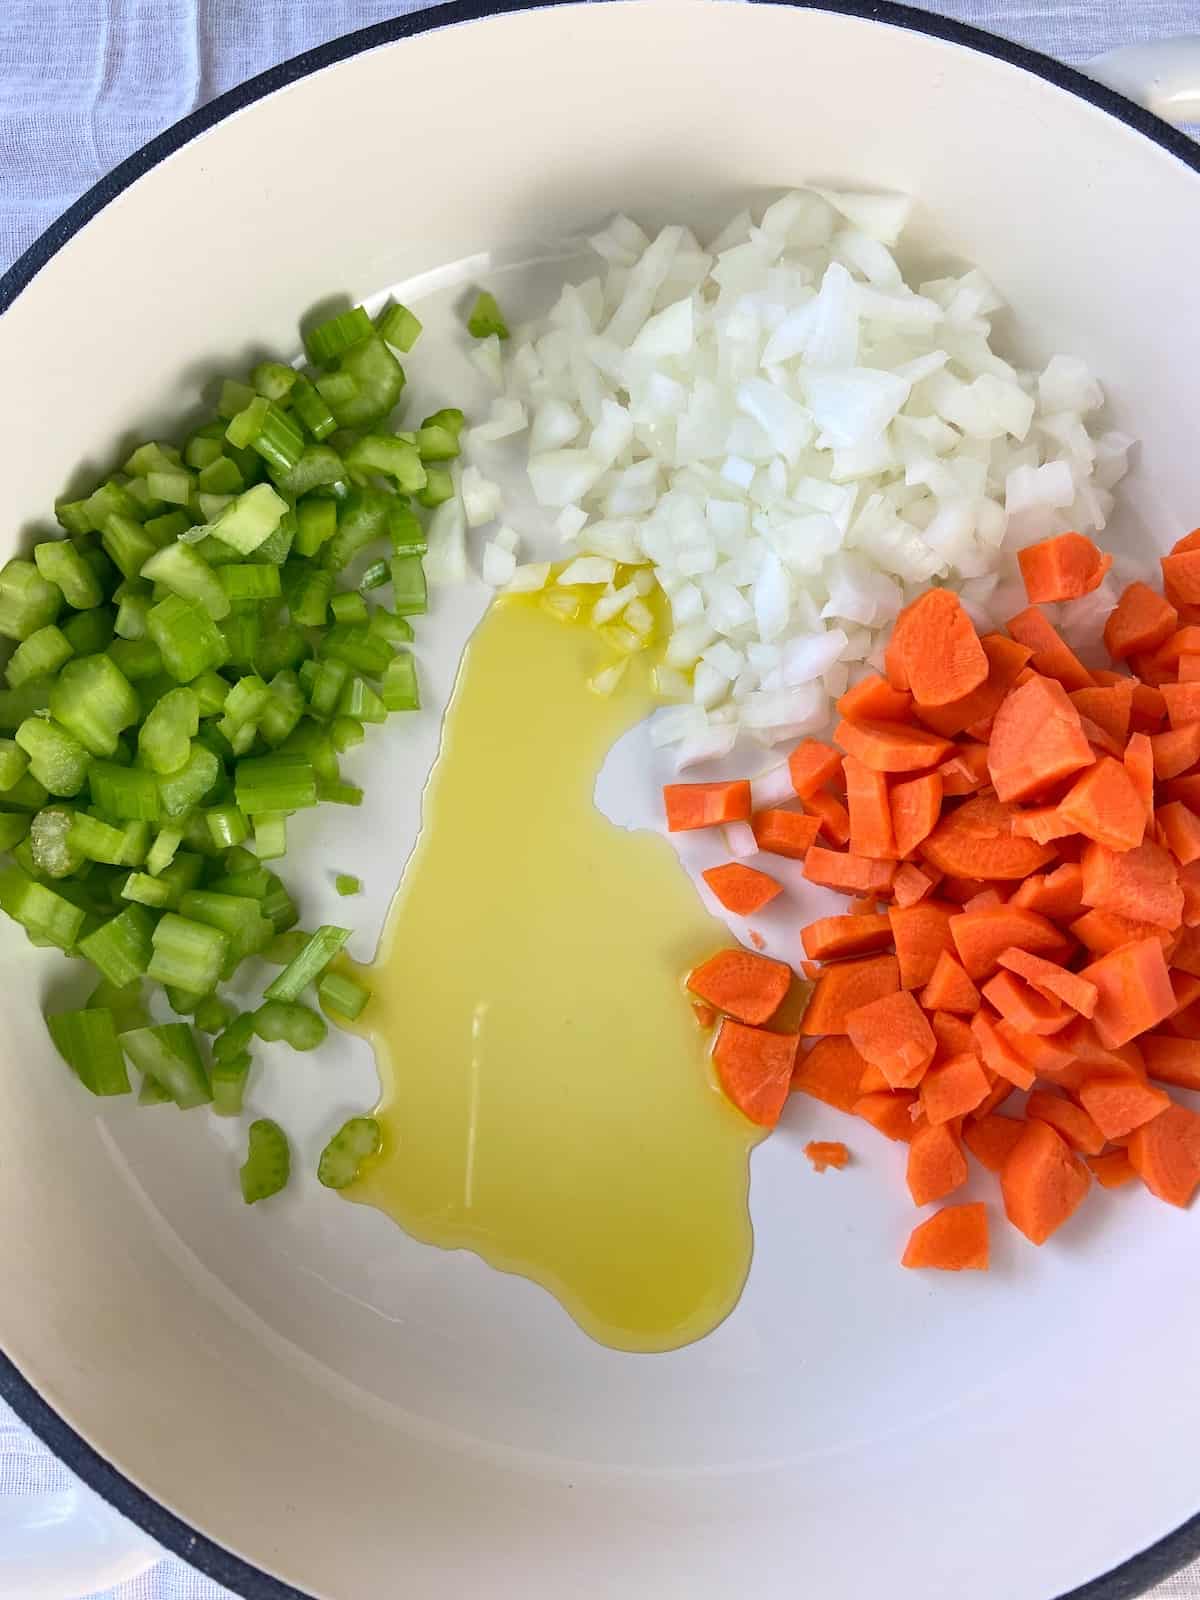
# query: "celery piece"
(308, 592)
(61, 564)
(125, 1003)
(330, 680)
(333, 337)
(28, 601)
(162, 851)
(126, 793)
(238, 917)
(277, 546)
(409, 595)
(147, 891)
(250, 519)
(228, 1080)
(399, 327)
(270, 836)
(311, 409)
(87, 1041)
(278, 782)
(288, 1022)
(121, 948)
(187, 954)
(377, 575)
(249, 581)
(242, 633)
(235, 1038)
(346, 884)
(282, 647)
(268, 1162)
(90, 632)
(14, 763)
(212, 1014)
(309, 739)
(269, 431)
(486, 318)
(234, 397)
(180, 791)
(283, 709)
(56, 760)
(136, 659)
(354, 644)
(27, 701)
(341, 996)
(362, 519)
(244, 703)
(14, 827)
(73, 516)
(221, 476)
(318, 467)
(100, 841)
(394, 458)
(171, 525)
(39, 656)
(334, 792)
(355, 1141)
(127, 543)
(165, 737)
(43, 913)
(359, 700)
(183, 873)
(227, 825)
(347, 606)
(316, 524)
(346, 732)
(109, 499)
(439, 487)
(168, 1054)
(378, 381)
(55, 855)
(399, 690)
(187, 636)
(389, 627)
(173, 487)
(132, 611)
(152, 457)
(179, 569)
(152, 1093)
(27, 794)
(405, 531)
(274, 380)
(94, 701)
(436, 443)
(308, 963)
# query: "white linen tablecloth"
(82, 86)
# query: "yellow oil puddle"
(548, 1101)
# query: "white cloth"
(82, 86)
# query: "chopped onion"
(772, 788)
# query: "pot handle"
(66, 1544)
(1162, 75)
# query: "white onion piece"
(772, 788)
(740, 840)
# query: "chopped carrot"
(1189, 667)
(1066, 1118)
(1176, 750)
(1052, 657)
(845, 987)
(1189, 882)
(1101, 741)
(1112, 1170)
(1006, 659)
(1149, 709)
(747, 986)
(936, 1164)
(871, 832)
(755, 1069)
(1057, 894)
(921, 932)
(1043, 824)
(981, 937)
(1104, 806)
(824, 1153)
(998, 1054)
(1043, 1182)
(835, 869)
(949, 988)
(997, 1095)
(1179, 828)
(975, 841)
(1133, 991)
(1109, 707)
(1102, 931)
(959, 890)
(811, 970)
(873, 699)
(952, 1088)
(831, 814)
(873, 1081)
(1061, 568)
(1142, 621)
(893, 1034)
(891, 746)
(1165, 1154)
(965, 771)
(894, 666)
(1139, 764)
(1051, 979)
(888, 1111)
(985, 900)
(991, 1139)
(1183, 703)
(954, 1239)
(953, 1035)
(1024, 1006)
(1185, 986)
(830, 938)
(943, 658)
(1037, 739)
(1043, 1054)
(1119, 1104)
(703, 805)
(911, 884)
(1141, 884)
(784, 833)
(1172, 1060)
(830, 1072)
(741, 889)
(812, 765)
(915, 805)
(1182, 572)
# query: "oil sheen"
(548, 1100)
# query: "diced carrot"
(829, 1072)
(1182, 572)
(872, 699)
(1061, 568)
(965, 771)
(1118, 1105)
(1183, 703)
(784, 833)
(954, 1239)
(824, 1153)
(911, 884)
(1142, 621)
(1176, 750)
(986, 900)
(1179, 828)
(1172, 1060)
(845, 987)
(915, 806)
(706, 1017)
(952, 1088)
(755, 1069)
(893, 1034)
(873, 1081)
(1139, 764)
(1134, 991)
(1043, 824)
(1042, 1182)
(1149, 709)
(1109, 707)
(1037, 739)
(936, 1164)
(953, 1035)
(1051, 979)
(991, 1139)
(1190, 541)
(1052, 657)
(1112, 1170)
(831, 814)
(871, 832)
(997, 1095)
(1102, 931)
(1184, 641)
(1074, 1124)
(998, 1055)
(1024, 1006)
(960, 890)
(975, 841)
(888, 1110)
(1165, 1154)
(1101, 741)
(1185, 986)
(703, 805)
(741, 889)
(921, 933)
(834, 869)
(1043, 1054)
(1006, 659)
(812, 765)
(894, 666)
(949, 988)
(1104, 806)
(943, 658)
(891, 746)
(1152, 671)
(830, 938)
(1057, 894)
(747, 986)
(1189, 882)
(981, 937)
(1141, 884)
(811, 970)
(1189, 667)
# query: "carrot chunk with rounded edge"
(1133, 991)
(943, 658)
(871, 832)
(1179, 829)
(1183, 703)
(936, 1164)
(889, 1112)
(953, 1035)
(1043, 1054)
(1022, 1005)
(784, 833)
(1104, 806)
(1052, 657)
(845, 987)
(1165, 1154)
(963, 772)
(1037, 740)
(831, 815)
(1149, 709)
(892, 1034)
(741, 889)
(1043, 824)
(1051, 979)
(1043, 1182)
(830, 938)
(748, 986)
(1138, 762)
(812, 765)
(1061, 568)
(835, 869)
(915, 807)
(1141, 884)
(911, 885)
(1112, 1170)
(1142, 621)
(1182, 572)
(1067, 1119)
(703, 805)
(830, 1072)
(954, 1239)
(1172, 1060)
(949, 988)
(980, 937)
(952, 1088)
(998, 1055)
(1175, 750)
(891, 746)
(921, 933)
(975, 841)
(1118, 1105)
(824, 1153)
(1100, 932)
(1057, 894)
(991, 1139)
(873, 699)
(755, 1069)
(1006, 659)
(1109, 707)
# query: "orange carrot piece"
(975, 841)
(1176, 750)
(915, 807)
(1142, 621)
(1185, 986)
(1037, 739)
(812, 765)
(997, 1095)
(1112, 1170)
(830, 938)
(873, 699)
(754, 1067)
(965, 771)
(1149, 709)
(706, 1017)
(1189, 667)
(1061, 568)
(871, 832)
(1119, 1104)
(981, 937)
(953, 1035)
(741, 889)
(1043, 1054)
(888, 1111)
(921, 933)
(1067, 1119)
(986, 900)
(1024, 1006)
(1182, 572)
(894, 666)
(892, 1033)
(991, 1139)
(784, 833)
(1183, 703)
(911, 884)
(747, 986)
(1141, 884)
(954, 1239)
(1104, 806)
(952, 1088)
(845, 987)
(1052, 657)
(1057, 894)
(1179, 828)
(824, 1153)
(1133, 991)
(998, 1055)
(703, 805)
(1051, 979)
(936, 1164)
(949, 988)
(891, 746)
(1109, 708)
(1186, 955)
(834, 869)
(873, 1081)
(831, 814)
(1172, 1060)
(1043, 824)
(1189, 882)
(1139, 764)
(1165, 1154)
(1102, 931)
(830, 1072)
(943, 658)
(1006, 659)
(1043, 1182)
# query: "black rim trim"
(1141, 1571)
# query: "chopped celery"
(96, 840)
(54, 852)
(235, 1038)
(307, 965)
(436, 443)
(146, 891)
(348, 606)
(186, 574)
(120, 950)
(42, 912)
(168, 1054)
(165, 737)
(187, 954)
(354, 644)
(399, 690)
(94, 701)
(283, 708)
(180, 791)
(354, 1142)
(14, 826)
(28, 601)
(405, 530)
(439, 487)
(126, 793)
(389, 456)
(341, 996)
(270, 835)
(319, 466)
(308, 593)
(127, 543)
(39, 656)
(346, 884)
(288, 1022)
(386, 625)
(271, 432)
(274, 380)
(89, 632)
(126, 1004)
(250, 519)
(87, 1041)
(311, 409)
(249, 581)
(337, 793)
(234, 397)
(360, 701)
(227, 825)
(238, 917)
(189, 639)
(336, 335)
(409, 594)
(228, 1081)
(268, 1162)
(346, 732)
(329, 680)
(152, 457)
(184, 873)
(152, 1093)
(162, 851)
(279, 782)
(316, 524)
(399, 327)
(486, 318)
(212, 1014)
(136, 659)
(362, 519)
(378, 381)
(211, 691)
(56, 760)
(377, 576)
(14, 763)
(220, 476)
(174, 487)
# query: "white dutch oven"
(304, 1396)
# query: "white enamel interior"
(361, 1414)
